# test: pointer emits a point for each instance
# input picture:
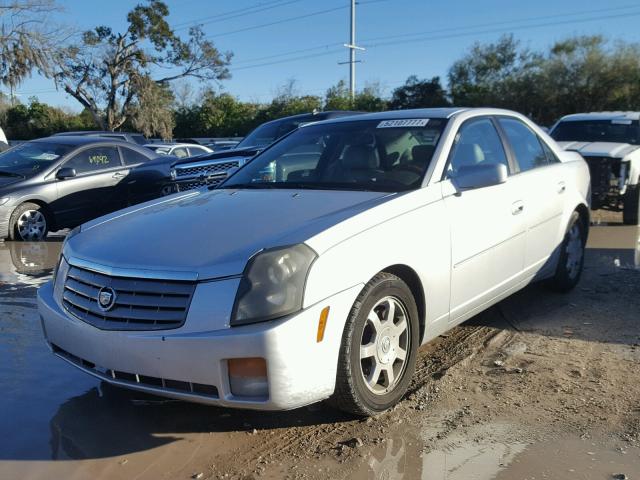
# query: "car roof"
(418, 113)
(80, 140)
(576, 117)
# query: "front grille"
(136, 379)
(209, 169)
(139, 303)
(209, 182)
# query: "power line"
(260, 7)
(278, 22)
(425, 39)
(498, 30)
(491, 24)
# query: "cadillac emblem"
(106, 298)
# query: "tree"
(151, 113)
(497, 74)
(28, 40)
(35, 120)
(416, 93)
(368, 99)
(109, 72)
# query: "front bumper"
(185, 363)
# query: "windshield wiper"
(369, 187)
(4, 173)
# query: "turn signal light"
(322, 324)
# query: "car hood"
(223, 155)
(600, 149)
(213, 234)
(6, 181)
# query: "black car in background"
(211, 169)
(62, 181)
(137, 138)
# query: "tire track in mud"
(325, 428)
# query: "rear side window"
(525, 144)
(95, 159)
(476, 142)
(132, 157)
(180, 152)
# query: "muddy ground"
(540, 386)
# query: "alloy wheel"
(32, 225)
(575, 251)
(384, 345)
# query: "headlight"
(59, 277)
(273, 284)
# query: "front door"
(487, 228)
(91, 192)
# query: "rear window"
(616, 131)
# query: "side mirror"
(65, 172)
(480, 175)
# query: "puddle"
(620, 244)
(29, 263)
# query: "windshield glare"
(358, 155)
(29, 158)
(616, 131)
(266, 134)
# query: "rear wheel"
(28, 223)
(379, 348)
(571, 260)
(631, 210)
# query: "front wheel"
(631, 210)
(28, 223)
(571, 260)
(379, 348)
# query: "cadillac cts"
(317, 270)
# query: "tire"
(37, 223)
(383, 346)
(631, 210)
(571, 259)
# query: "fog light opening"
(322, 324)
(248, 377)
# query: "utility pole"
(352, 52)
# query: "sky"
(274, 41)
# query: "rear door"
(487, 229)
(542, 183)
(91, 192)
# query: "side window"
(551, 157)
(132, 157)
(195, 151)
(476, 142)
(180, 152)
(525, 143)
(94, 160)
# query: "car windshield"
(29, 158)
(267, 133)
(388, 155)
(617, 131)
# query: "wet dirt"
(540, 386)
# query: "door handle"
(517, 207)
(119, 175)
(561, 187)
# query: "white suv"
(610, 143)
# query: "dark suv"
(211, 169)
(62, 181)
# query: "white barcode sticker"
(409, 122)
